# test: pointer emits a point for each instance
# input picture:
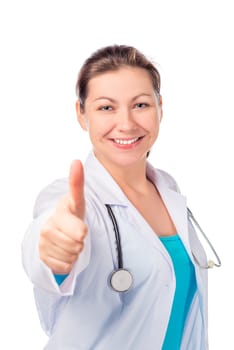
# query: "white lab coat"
(84, 313)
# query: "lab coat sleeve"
(38, 272)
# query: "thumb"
(76, 189)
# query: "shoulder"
(50, 195)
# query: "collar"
(101, 183)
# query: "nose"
(125, 120)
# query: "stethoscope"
(121, 279)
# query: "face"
(122, 115)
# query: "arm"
(36, 249)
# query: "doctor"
(70, 248)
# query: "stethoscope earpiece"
(211, 264)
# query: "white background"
(42, 46)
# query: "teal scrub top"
(184, 293)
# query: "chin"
(126, 160)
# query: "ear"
(160, 108)
(81, 116)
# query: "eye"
(105, 108)
(141, 105)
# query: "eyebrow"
(113, 100)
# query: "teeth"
(126, 142)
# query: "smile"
(126, 142)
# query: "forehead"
(125, 80)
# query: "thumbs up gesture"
(62, 236)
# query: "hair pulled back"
(112, 58)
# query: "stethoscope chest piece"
(121, 280)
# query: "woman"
(69, 251)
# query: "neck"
(130, 177)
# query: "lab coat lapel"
(176, 205)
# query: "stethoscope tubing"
(121, 279)
(195, 222)
(117, 236)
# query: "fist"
(62, 236)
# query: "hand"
(62, 237)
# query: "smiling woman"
(122, 114)
(69, 250)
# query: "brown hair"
(111, 58)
